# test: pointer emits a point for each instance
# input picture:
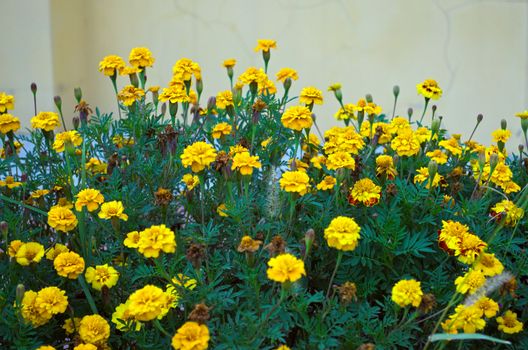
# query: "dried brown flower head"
(200, 313)
(163, 196)
(347, 292)
(276, 246)
(195, 254)
(248, 244)
(428, 303)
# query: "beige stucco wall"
(477, 50)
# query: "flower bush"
(236, 223)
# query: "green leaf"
(466, 336)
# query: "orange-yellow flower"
(244, 162)
(285, 268)
(141, 57)
(297, 118)
(365, 191)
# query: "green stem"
(87, 293)
(12, 201)
(338, 262)
(424, 110)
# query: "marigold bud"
(369, 98)
(58, 102)
(287, 84)
(480, 117)
(409, 112)
(76, 121)
(3, 227)
(199, 86)
(77, 92)
(33, 88)
(20, 291)
(163, 109)
(504, 124)
(435, 126)
(211, 103)
(396, 91)
(432, 168)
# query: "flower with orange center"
(488, 264)
(191, 181)
(451, 235)
(339, 160)
(244, 162)
(101, 276)
(385, 167)
(470, 282)
(509, 324)
(310, 95)
(429, 89)
(507, 212)
(469, 248)
(89, 198)
(365, 191)
(27, 253)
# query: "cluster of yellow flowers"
(151, 241)
(39, 307)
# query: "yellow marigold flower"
(295, 181)
(89, 198)
(141, 57)
(365, 191)
(123, 319)
(71, 326)
(266, 142)
(340, 160)
(50, 301)
(85, 347)
(467, 318)
(6, 102)
(31, 312)
(10, 182)
(101, 275)
(120, 141)
(422, 175)
(31, 252)
(224, 99)
(346, 112)
(488, 307)
(310, 95)
(285, 73)
(342, 233)
(198, 156)
(406, 143)
(245, 162)
(469, 248)
(470, 282)
(39, 193)
(452, 146)
(407, 292)
(312, 142)
(233, 150)
(132, 239)
(507, 210)
(267, 87)
(522, 115)
(488, 264)
(155, 239)
(429, 89)
(385, 167)
(384, 136)
(94, 329)
(327, 183)
(248, 244)
(64, 138)
(174, 93)
(111, 64)
(438, 156)
(95, 166)
(297, 118)
(508, 323)
(13, 248)
(317, 161)
(69, 264)
(399, 124)
(191, 336)
(54, 251)
(501, 135)
(147, 303)
(252, 75)
(185, 68)
(8, 123)
(265, 45)
(191, 181)
(46, 121)
(451, 234)
(130, 94)
(229, 63)
(130, 70)
(221, 129)
(510, 187)
(113, 209)
(154, 88)
(221, 210)
(296, 164)
(285, 268)
(423, 134)
(283, 347)
(63, 202)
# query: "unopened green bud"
(33, 88)
(521, 148)
(173, 109)
(163, 109)
(134, 79)
(77, 92)
(396, 91)
(494, 160)
(253, 87)
(480, 117)
(287, 84)
(199, 86)
(482, 159)
(76, 121)
(230, 72)
(435, 126)
(20, 291)
(58, 102)
(524, 125)
(369, 99)
(211, 103)
(504, 124)
(432, 168)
